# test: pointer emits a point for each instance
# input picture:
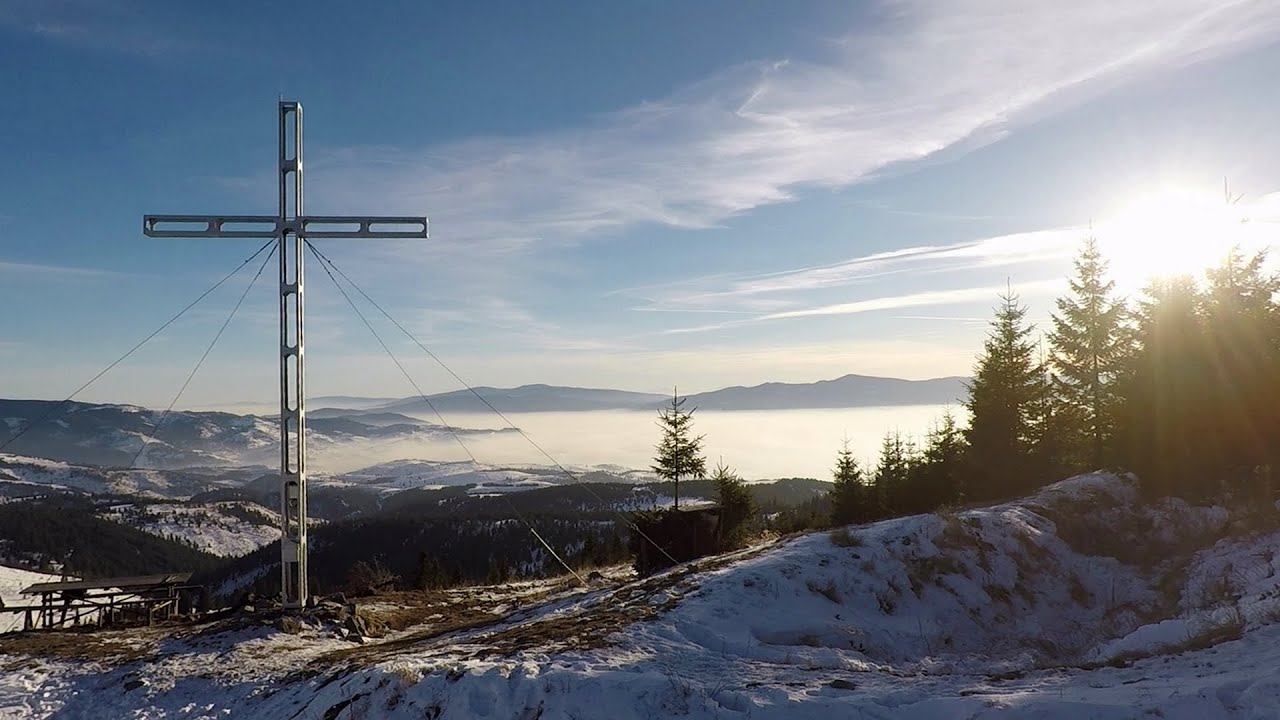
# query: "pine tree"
(680, 452)
(1003, 397)
(1089, 346)
(1166, 430)
(892, 476)
(1242, 322)
(590, 555)
(1056, 430)
(849, 496)
(736, 505)
(499, 571)
(937, 477)
(430, 575)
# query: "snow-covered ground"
(229, 529)
(12, 582)
(1078, 602)
(61, 476)
(400, 475)
(23, 475)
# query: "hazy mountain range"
(130, 436)
(845, 392)
(385, 428)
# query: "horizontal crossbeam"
(268, 226)
(211, 226)
(340, 226)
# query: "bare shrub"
(997, 593)
(928, 569)
(364, 578)
(1230, 627)
(827, 591)
(1079, 593)
(844, 537)
(1219, 590)
(954, 534)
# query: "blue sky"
(622, 194)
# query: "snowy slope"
(1074, 603)
(228, 529)
(40, 473)
(125, 435)
(12, 582)
(400, 475)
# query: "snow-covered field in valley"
(228, 529)
(1077, 602)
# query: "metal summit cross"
(290, 229)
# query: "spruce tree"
(1057, 435)
(1003, 397)
(1089, 346)
(680, 452)
(849, 494)
(736, 505)
(1241, 323)
(897, 458)
(1167, 432)
(937, 477)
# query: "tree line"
(1180, 386)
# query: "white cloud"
(926, 77)
(920, 299)
(18, 268)
(928, 298)
(922, 78)
(867, 283)
(120, 26)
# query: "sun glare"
(1168, 233)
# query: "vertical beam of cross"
(290, 228)
(293, 418)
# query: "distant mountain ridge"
(129, 436)
(848, 391)
(530, 398)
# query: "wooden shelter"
(106, 601)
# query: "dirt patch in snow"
(560, 617)
(110, 647)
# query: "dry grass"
(954, 535)
(493, 629)
(114, 647)
(827, 591)
(1229, 628)
(998, 593)
(845, 537)
(1079, 593)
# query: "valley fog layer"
(758, 444)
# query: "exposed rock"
(134, 684)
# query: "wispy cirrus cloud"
(924, 77)
(927, 298)
(117, 26)
(869, 278)
(18, 268)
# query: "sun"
(1168, 233)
